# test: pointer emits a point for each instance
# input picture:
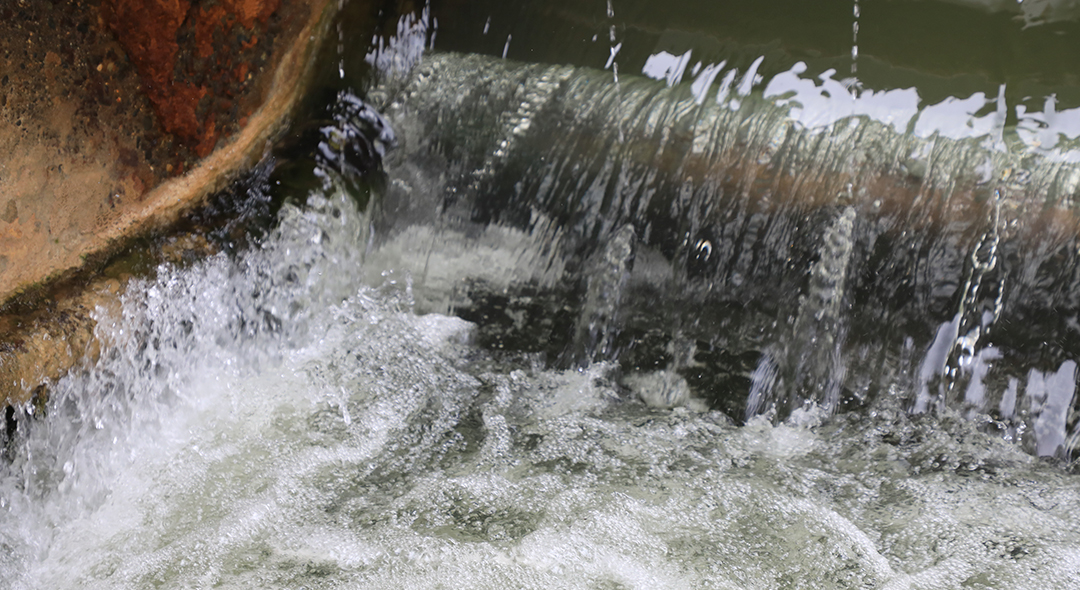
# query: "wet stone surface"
(100, 102)
(117, 119)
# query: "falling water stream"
(534, 322)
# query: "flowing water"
(525, 327)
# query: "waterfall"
(534, 326)
(825, 248)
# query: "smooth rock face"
(102, 103)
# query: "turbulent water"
(434, 389)
(270, 421)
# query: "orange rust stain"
(147, 30)
(250, 11)
(206, 22)
(225, 16)
(178, 111)
(209, 139)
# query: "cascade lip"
(141, 111)
(753, 147)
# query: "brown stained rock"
(147, 31)
(187, 57)
(43, 345)
(114, 123)
(92, 126)
(52, 341)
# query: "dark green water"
(943, 49)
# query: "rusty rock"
(116, 118)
